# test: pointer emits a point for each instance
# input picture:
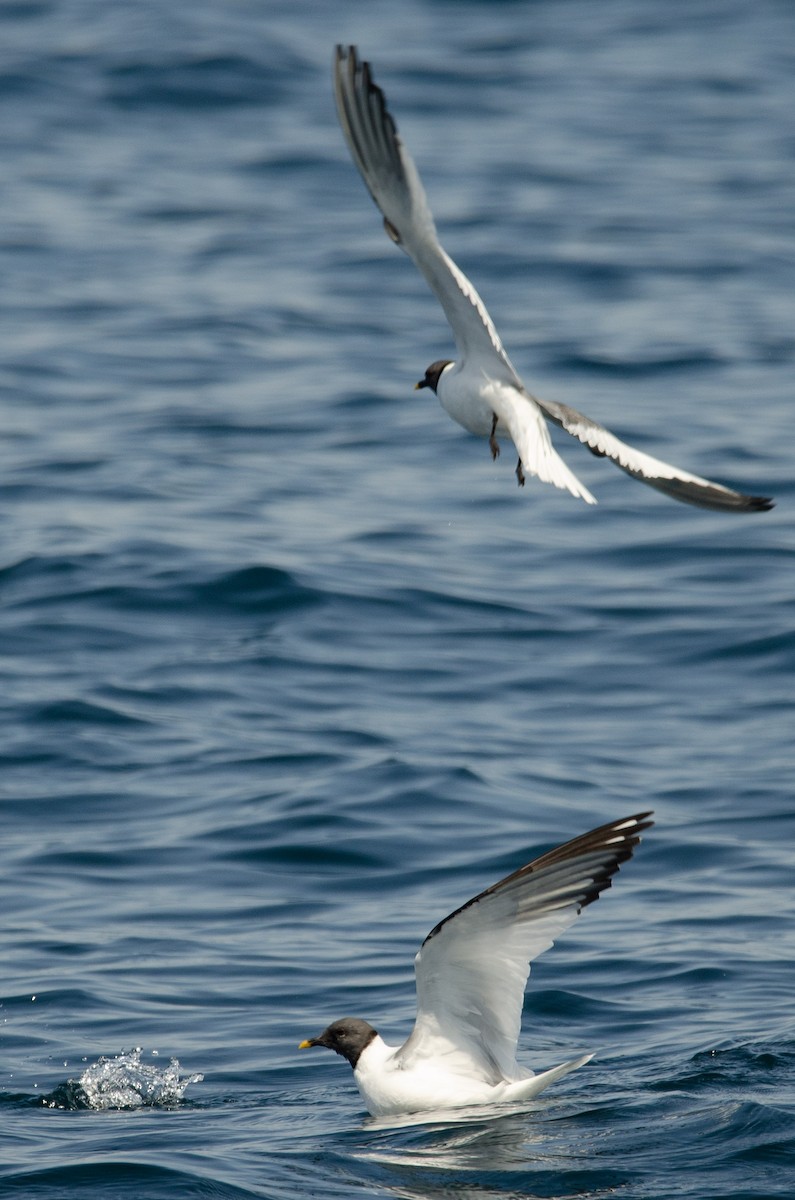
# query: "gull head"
(433, 374)
(347, 1037)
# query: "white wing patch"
(470, 989)
(474, 299)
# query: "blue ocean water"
(290, 668)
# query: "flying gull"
(481, 390)
(471, 972)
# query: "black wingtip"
(626, 831)
(616, 842)
(703, 495)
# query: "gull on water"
(481, 389)
(471, 972)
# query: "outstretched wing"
(674, 482)
(394, 183)
(472, 968)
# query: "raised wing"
(394, 183)
(472, 968)
(674, 482)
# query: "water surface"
(290, 669)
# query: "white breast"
(464, 393)
(387, 1088)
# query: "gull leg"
(520, 473)
(494, 445)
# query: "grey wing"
(394, 184)
(674, 482)
(472, 968)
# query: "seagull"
(481, 390)
(471, 972)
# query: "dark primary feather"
(599, 854)
(367, 123)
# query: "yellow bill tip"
(305, 1045)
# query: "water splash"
(123, 1082)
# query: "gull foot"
(494, 445)
(520, 473)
